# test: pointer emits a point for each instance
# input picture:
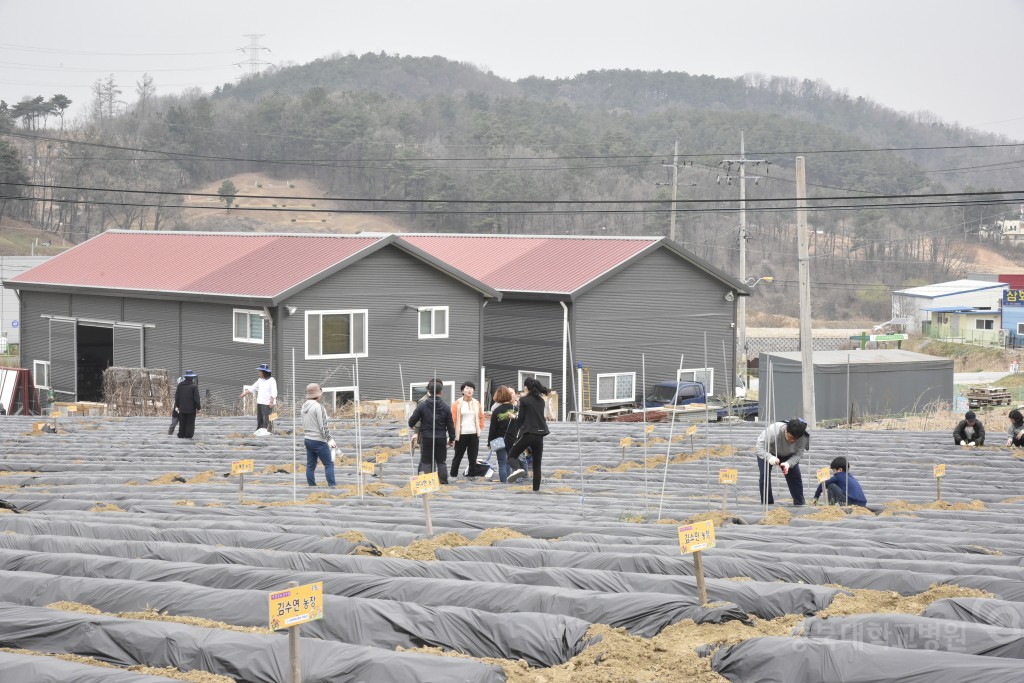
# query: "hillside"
(427, 144)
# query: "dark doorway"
(95, 354)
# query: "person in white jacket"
(468, 416)
(316, 436)
(265, 391)
(782, 444)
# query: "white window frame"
(36, 364)
(247, 339)
(433, 322)
(523, 374)
(448, 387)
(614, 399)
(682, 376)
(350, 312)
(335, 390)
(984, 324)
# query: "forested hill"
(439, 145)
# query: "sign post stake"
(698, 570)
(726, 477)
(692, 539)
(241, 488)
(939, 471)
(293, 646)
(423, 485)
(240, 467)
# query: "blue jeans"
(502, 454)
(794, 480)
(318, 450)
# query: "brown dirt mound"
(185, 503)
(489, 536)
(866, 601)
(202, 477)
(559, 474)
(831, 513)
(777, 517)
(169, 478)
(106, 507)
(153, 615)
(423, 549)
(896, 505)
(1015, 499)
(352, 536)
(562, 489)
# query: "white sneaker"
(516, 476)
(489, 475)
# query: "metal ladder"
(585, 388)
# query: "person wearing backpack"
(434, 418)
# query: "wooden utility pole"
(804, 263)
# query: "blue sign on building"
(1013, 297)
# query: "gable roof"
(260, 268)
(558, 266)
(950, 288)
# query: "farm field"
(119, 540)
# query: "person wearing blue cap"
(265, 391)
(187, 404)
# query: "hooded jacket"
(314, 421)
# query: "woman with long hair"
(1016, 429)
(533, 427)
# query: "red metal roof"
(225, 264)
(556, 265)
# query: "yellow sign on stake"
(692, 430)
(366, 467)
(272, 417)
(72, 409)
(243, 467)
(648, 429)
(425, 483)
(296, 605)
(626, 442)
(403, 432)
(823, 474)
(727, 476)
(55, 414)
(696, 536)
(939, 471)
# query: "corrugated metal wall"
(224, 366)
(35, 330)
(106, 308)
(63, 359)
(128, 346)
(163, 339)
(523, 335)
(385, 283)
(659, 307)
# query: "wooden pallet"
(983, 397)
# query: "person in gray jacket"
(782, 444)
(316, 436)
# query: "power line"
(51, 50)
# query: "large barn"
(220, 304)
(608, 310)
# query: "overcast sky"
(959, 60)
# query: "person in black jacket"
(503, 421)
(969, 431)
(532, 428)
(187, 404)
(434, 418)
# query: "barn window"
(983, 324)
(616, 388)
(336, 334)
(705, 376)
(433, 323)
(248, 326)
(41, 374)
(542, 377)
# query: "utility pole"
(742, 302)
(675, 188)
(804, 264)
(254, 62)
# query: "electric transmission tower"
(254, 52)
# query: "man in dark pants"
(969, 431)
(782, 444)
(186, 402)
(434, 418)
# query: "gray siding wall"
(384, 283)
(163, 339)
(35, 343)
(96, 307)
(659, 307)
(523, 335)
(224, 366)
